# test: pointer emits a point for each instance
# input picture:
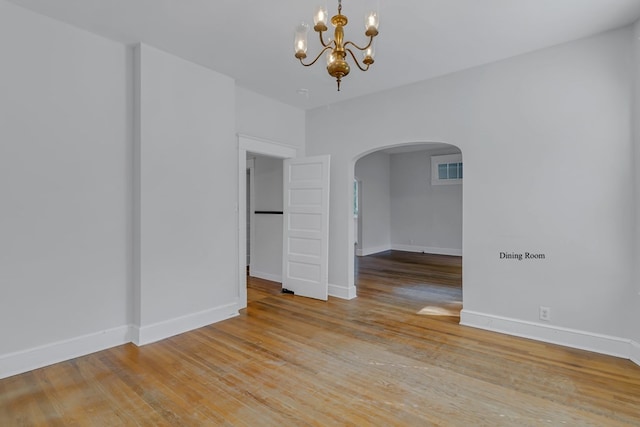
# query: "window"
(446, 169)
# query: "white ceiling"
(252, 41)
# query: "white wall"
(71, 247)
(267, 253)
(424, 217)
(65, 191)
(555, 120)
(373, 172)
(187, 206)
(264, 118)
(635, 294)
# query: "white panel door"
(305, 268)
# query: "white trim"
(178, 325)
(251, 144)
(266, 276)
(48, 354)
(350, 241)
(252, 215)
(60, 351)
(635, 353)
(598, 343)
(257, 145)
(427, 249)
(342, 292)
(372, 250)
(242, 227)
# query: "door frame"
(251, 144)
(252, 217)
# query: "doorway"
(264, 217)
(305, 219)
(404, 208)
(246, 145)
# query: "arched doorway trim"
(436, 148)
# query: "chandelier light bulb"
(321, 16)
(370, 52)
(371, 21)
(371, 24)
(300, 41)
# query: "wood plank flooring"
(371, 361)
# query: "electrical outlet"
(545, 313)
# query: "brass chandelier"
(337, 49)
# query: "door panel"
(305, 268)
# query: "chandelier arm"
(317, 57)
(358, 47)
(322, 40)
(356, 60)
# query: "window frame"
(445, 159)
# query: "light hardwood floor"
(374, 360)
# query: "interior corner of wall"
(134, 334)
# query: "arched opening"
(407, 229)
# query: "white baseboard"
(168, 328)
(635, 352)
(372, 250)
(48, 354)
(342, 292)
(265, 276)
(598, 343)
(427, 249)
(38, 357)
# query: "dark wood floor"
(375, 360)
(418, 283)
